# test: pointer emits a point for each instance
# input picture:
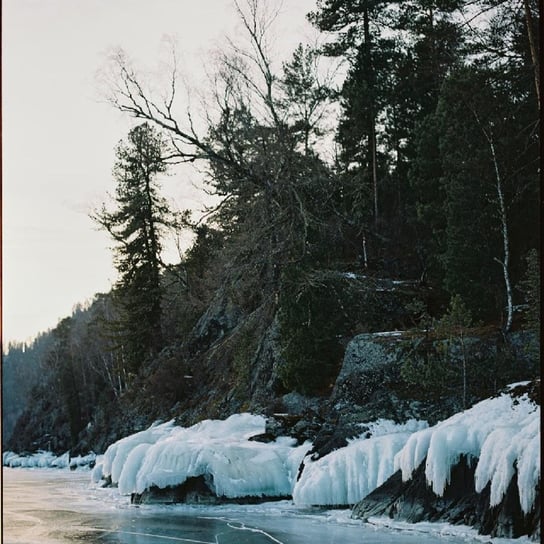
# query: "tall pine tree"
(136, 225)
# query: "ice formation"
(500, 433)
(47, 459)
(116, 454)
(348, 474)
(166, 455)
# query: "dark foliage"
(433, 196)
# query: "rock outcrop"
(414, 501)
(370, 386)
(196, 490)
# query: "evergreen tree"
(358, 31)
(530, 287)
(64, 360)
(136, 227)
(306, 95)
(490, 192)
(399, 54)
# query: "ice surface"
(500, 433)
(35, 510)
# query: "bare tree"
(248, 142)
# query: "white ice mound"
(46, 459)
(501, 432)
(347, 475)
(166, 455)
(116, 454)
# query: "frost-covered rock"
(480, 467)
(220, 451)
(348, 474)
(47, 459)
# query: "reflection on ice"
(52, 506)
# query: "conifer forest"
(384, 179)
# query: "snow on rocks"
(47, 459)
(348, 474)
(498, 433)
(166, 456)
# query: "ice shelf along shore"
(500, 434)
(47, 459)
(165, 455)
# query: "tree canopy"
(427, 211)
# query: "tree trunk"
(533, 46)
(505, 262)
(372, 122)
(506, 245)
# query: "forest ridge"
(426, 219)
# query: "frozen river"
(59, 506)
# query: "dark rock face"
(220, 317)
(302, 427)
(197, 490)
(414, 501)
(193, 491)
(369, 385)
(332, 436)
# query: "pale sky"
(59, 138)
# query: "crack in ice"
(164, 537)
(242, 527)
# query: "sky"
(59, 135)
